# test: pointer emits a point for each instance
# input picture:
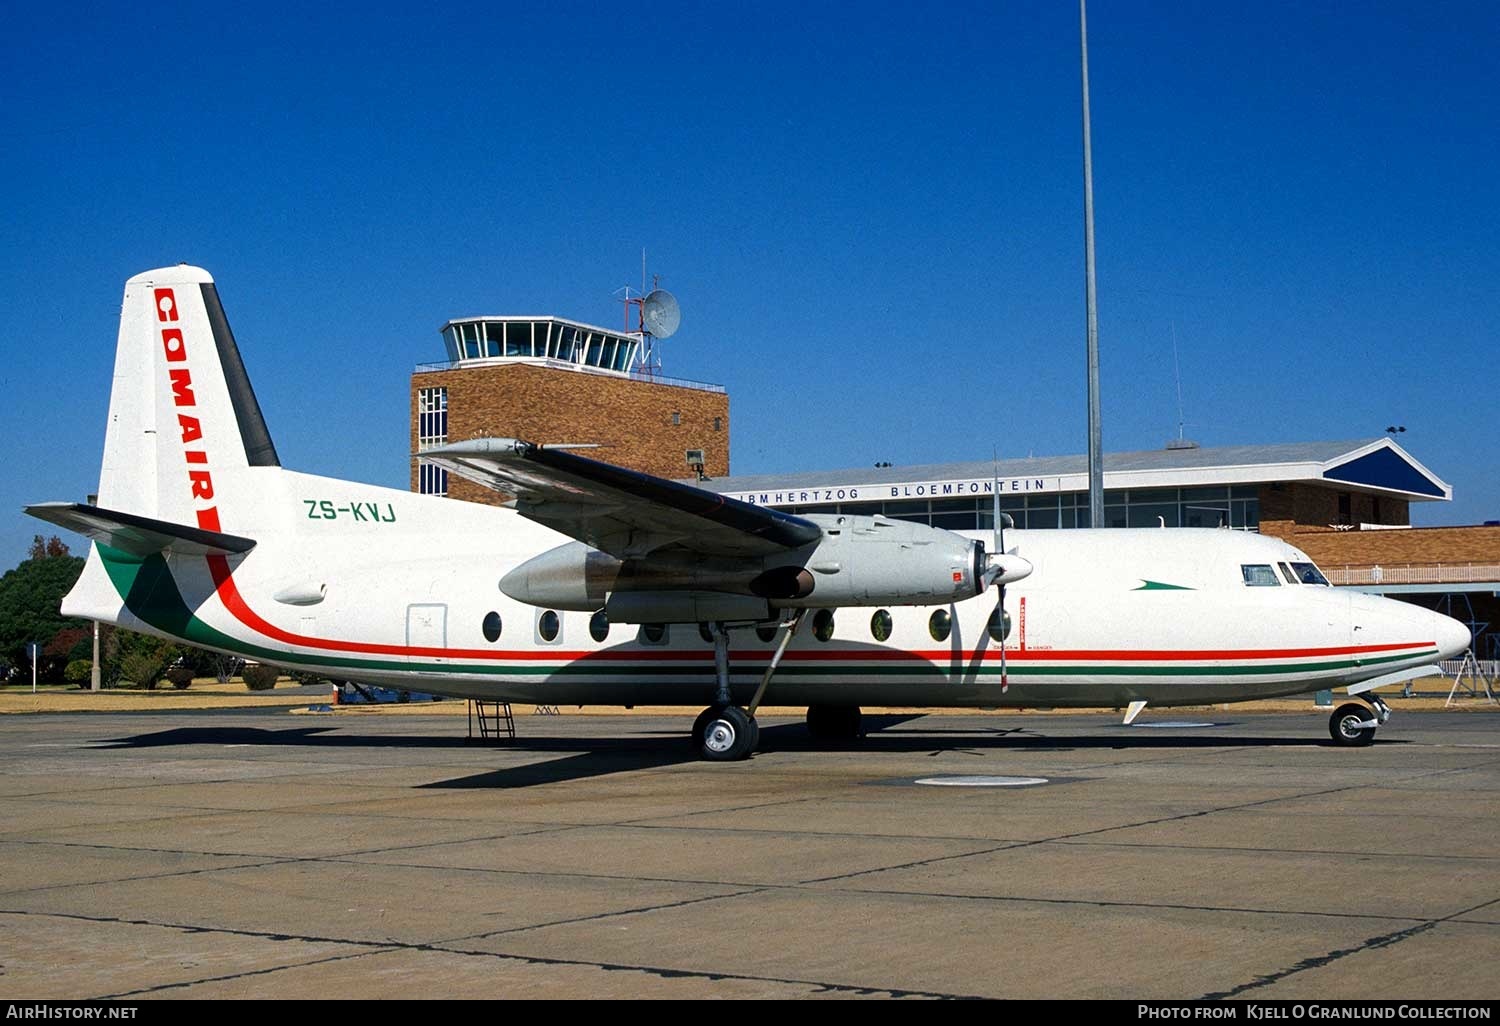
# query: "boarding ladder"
(494, 719)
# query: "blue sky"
(872, 217)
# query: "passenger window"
(999, 625)
(766, 632)
(880, 625)
(599, 625)
(823, 624)
(1259, 575)
(940, 625)
(548, 626)
(653, 634)
(1310, 574)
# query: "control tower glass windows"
(543, 338)
(469, 342)
(518, 338)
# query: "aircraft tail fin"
(181, 411)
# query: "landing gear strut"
(724, 732)
(1353, 725)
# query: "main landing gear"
(1353, 725)
(724, 732)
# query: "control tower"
(554, 381)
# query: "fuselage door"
(427, 633)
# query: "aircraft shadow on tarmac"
(585, 757)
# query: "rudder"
(181, 408)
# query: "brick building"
(551, 381)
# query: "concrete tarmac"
(256, 854)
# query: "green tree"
(30, 599)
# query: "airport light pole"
(1096, 433)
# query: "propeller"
(1001, 568)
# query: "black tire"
(1344, 726)
(728, 735)
(754, 735)
(701, 724)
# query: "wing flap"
(623, 512)
(137, 535)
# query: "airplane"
(598, 585)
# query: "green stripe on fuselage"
(150, 593)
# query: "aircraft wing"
(622, 512)
(140, 536)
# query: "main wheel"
(706, 717)
(728, 734)
(1347, 728)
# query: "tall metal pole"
(1096, 434)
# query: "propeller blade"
(1000, 615)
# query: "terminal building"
(1346, 504)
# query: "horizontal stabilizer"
(139, 536)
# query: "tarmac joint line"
(1374, 943)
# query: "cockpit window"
(1259, 575)
(1309, 574)
(1286, 572)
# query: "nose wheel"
(1353, 725)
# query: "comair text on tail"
(184, 426)
(606, 586)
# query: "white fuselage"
(371, 584)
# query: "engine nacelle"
(859, 561)
(876, 561)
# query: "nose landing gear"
(1353, 725)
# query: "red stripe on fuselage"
(235, 603)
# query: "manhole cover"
(1171, 725)
(978, 781)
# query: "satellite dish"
(660, 315)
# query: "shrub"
(141, 668)
(180, 676)
(260, 678)
(79, 671)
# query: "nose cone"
(1452, 637)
